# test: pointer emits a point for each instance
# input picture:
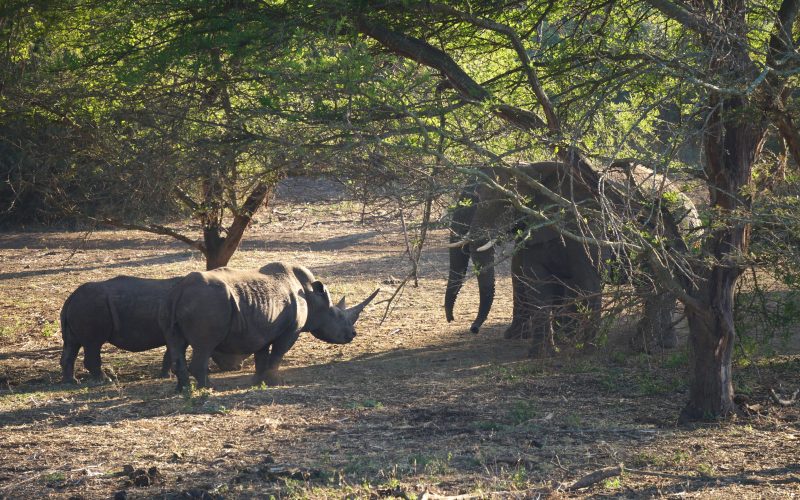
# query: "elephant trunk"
(484, 264)
(459, 260)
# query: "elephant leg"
(459, 256)
(585, 289)
(656, 327)
(538, 292)
(521, 312)
(68, 356)
(166, 364)
(459, 262)
(540, 327)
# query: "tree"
(738, 57)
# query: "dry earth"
(414, 406)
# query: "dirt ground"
(414, 407)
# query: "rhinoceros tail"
(167, 312)
(71, 346)
(66, 332)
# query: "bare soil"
(414, 406)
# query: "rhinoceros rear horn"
(342, 304)
(353, 313)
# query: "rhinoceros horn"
(353, 313)
(342, 304)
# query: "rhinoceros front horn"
(353, 313)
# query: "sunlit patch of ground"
(413, 404)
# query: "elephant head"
(481, 218)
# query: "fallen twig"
(783, 402)
(595, 477)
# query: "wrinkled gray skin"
(122, 311)
(245, 312)
(547, 270)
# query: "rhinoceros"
(122, 311)
(244, 312)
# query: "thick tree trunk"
(711, 339)
(731, 148)
(219, 249)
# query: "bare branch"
(155, 229)
(683, 15)
(553, 122)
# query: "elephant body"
(553, 277)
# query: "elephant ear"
(322, 291)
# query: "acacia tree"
(735, 58)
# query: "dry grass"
(413, 404)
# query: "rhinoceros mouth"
(338, 339)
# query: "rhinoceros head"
(329, 322)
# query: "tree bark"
(219, 249)
(733, 141)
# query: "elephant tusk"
(457, 244)
(486, 246)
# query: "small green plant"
(260, 387)
(519, 478)
(437, 465)
(705, 469)
(679, 457)
(612, 483)
(645, 459)
(485, 425)
(522, 411)
(611, 378)
(50, 329)
(54, 477)
(649, 385)
(676, 360)
(573, 420)
(196, 400)
(367, 403)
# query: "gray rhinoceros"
(122, 311)
(244, 312)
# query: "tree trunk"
(219, 249)
(711, 339)
(731, 148)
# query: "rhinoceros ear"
(342, 304)
(321, 289)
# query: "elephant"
(553, 277)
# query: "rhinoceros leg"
(166, 364)
(199, 365)
(267, 367)
(91, 361)
(68, 355)
(262, 373)
(176, 346)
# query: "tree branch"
(553, 122)
(682, 15)
(155, 229)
